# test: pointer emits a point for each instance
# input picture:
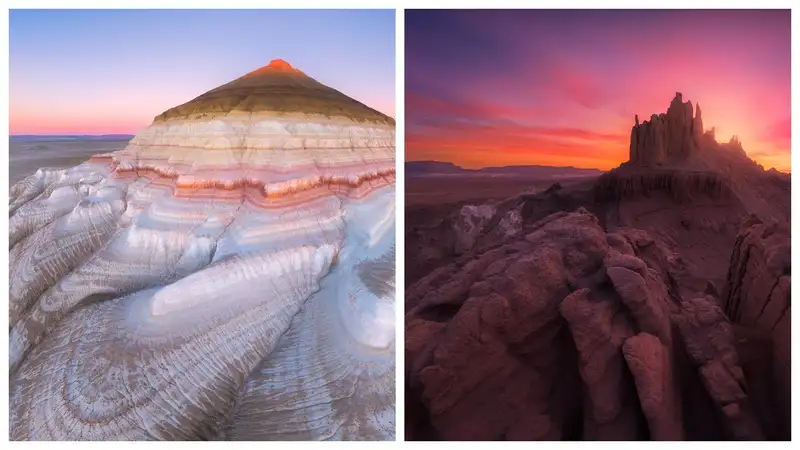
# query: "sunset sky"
(108, 72)
(550, 87)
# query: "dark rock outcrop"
(756, 297)
(710, 343)
(564, 331)
(666, 138)
(680, 185)
(697, 125)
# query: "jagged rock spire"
(697, 126)
(667, 137)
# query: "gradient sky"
(558, 87)
(113, 71)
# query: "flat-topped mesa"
(669, 137)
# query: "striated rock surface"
(679, 185)
(565, 331)
(228, 275)
(757, 297)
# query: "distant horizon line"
(789, 171)
(70, 134)
(511, 165)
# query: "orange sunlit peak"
(276, 65)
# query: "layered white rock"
(261, 149)
(184, 287)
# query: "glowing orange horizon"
(480, 153)
(508, 143)
(561, 87)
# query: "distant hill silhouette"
(428, 168)
(69, 137)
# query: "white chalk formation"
(227, 277)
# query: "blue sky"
(112, 71)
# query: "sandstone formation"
(228, 275)
(572, 332)
(669, 137)
(757, 296)
(652, 302)
(679, 185)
